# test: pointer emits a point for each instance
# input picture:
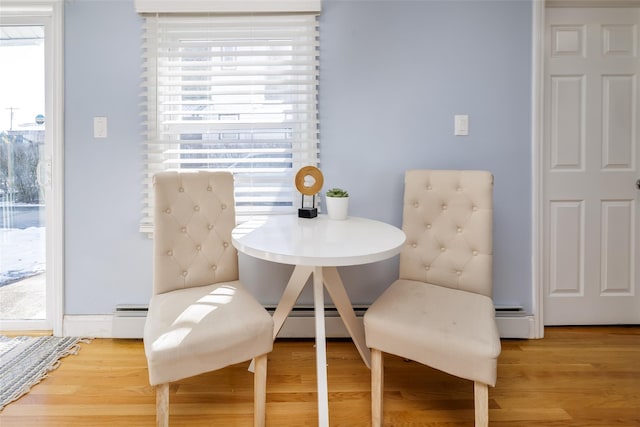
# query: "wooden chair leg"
(481, 398)
(377, 387)
(162, 405)
(260, 391)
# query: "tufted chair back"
(194, 216)
(447, 218)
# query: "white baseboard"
(516, 327)
(109, 326)
(88, 326)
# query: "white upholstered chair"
(200, 316)
(439, 312)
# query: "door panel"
(567, 257)
(591, 158)
(617, 267)
(617, 121)
(567, 125)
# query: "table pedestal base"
(323, 277)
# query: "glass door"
(23, 289)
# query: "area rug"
(25, 361)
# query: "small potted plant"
(337, 200)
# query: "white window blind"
(234, 93)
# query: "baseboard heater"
(510, 311)
(128, 321)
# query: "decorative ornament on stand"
(311, 190)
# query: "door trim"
(56, 301)
(537, 165)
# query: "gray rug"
(25, 361)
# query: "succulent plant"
(337, 192)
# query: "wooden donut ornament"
(313, 172)
(311, 190)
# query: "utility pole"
(12, 109)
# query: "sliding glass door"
(30, 169)
(22, 199)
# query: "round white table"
(317, 246)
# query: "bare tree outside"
(19, 157)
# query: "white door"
(591, 164)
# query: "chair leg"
(162, 405)
(260, 391)
(481, 397)
(377, 387)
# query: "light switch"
(461, 125)
(99, 127)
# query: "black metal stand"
(308, 212)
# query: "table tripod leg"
(291, 293)
(338, 294)
(321, 350)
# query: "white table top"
(318, 241)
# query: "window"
(236, 93)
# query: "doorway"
(590, 164)
(30, 167)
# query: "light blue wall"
(107, 261)
(393, 74)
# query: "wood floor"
(578, 376)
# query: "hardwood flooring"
(575, 376)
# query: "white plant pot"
(337, 207)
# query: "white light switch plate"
(461, 125)
(99, 127)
